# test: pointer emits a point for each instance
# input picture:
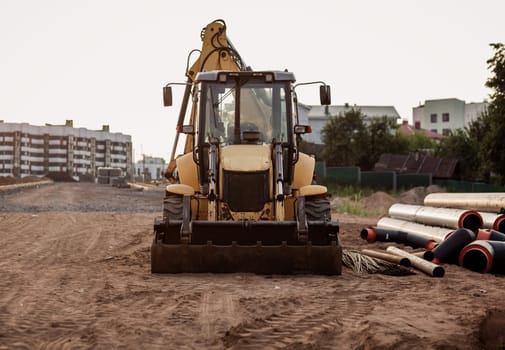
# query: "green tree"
(349, 141)
(382, 137)
(419, 142)
(462, 146)
(478, 130)
(493, 145)
(341, 136)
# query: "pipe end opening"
(476, 260)
(500, 225)
(438, 271)
(405, 262)
(368, 234)
(472, 221)
(428, 255)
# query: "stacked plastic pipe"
(462, 228)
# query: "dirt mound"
(435, 189)
(491, 330)
(413, 196)
(379, 201)
(9, 180)
(416, 195)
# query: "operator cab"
(245, 108)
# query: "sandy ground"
(75, 273)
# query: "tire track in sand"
(47, 268)
(217, 312)
(313, 322)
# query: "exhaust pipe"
(419, 263)
(448, 251)
(446, 217)
(373, 234)
(437, 234)
(484, 256)
(493, 221)
(491, 202)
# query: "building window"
(433, 118)
(445, 117)
(446, 132)
(434, 130)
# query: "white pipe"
(393, 258)
(438, 234)
(446, 217)
(493, 221)
(419, 263)
(491, 202)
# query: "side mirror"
(325, 94)
(302, 129)
(167, 96)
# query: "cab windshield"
(246, 112)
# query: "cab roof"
(217, 75)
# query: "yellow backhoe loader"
(242, 197)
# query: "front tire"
(317, 208)
(172, 207)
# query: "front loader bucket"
(262, 247)
(260, 259)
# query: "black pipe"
(448, 250)
(373, 234)
(484, 256)
(416, 241)
(490, 235)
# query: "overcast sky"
(105, 61)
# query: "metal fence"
(392, 181)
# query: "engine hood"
(245, 157)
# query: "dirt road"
(75, 273)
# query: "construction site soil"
(75, 273)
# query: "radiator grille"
(245, 191)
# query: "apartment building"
(445, 115)
(30, 150)
(150, 168)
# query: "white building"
(30, 150)
(150, 168)
(444, 115)
(318, 116)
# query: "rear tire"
(317, 208)
(172, 207)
